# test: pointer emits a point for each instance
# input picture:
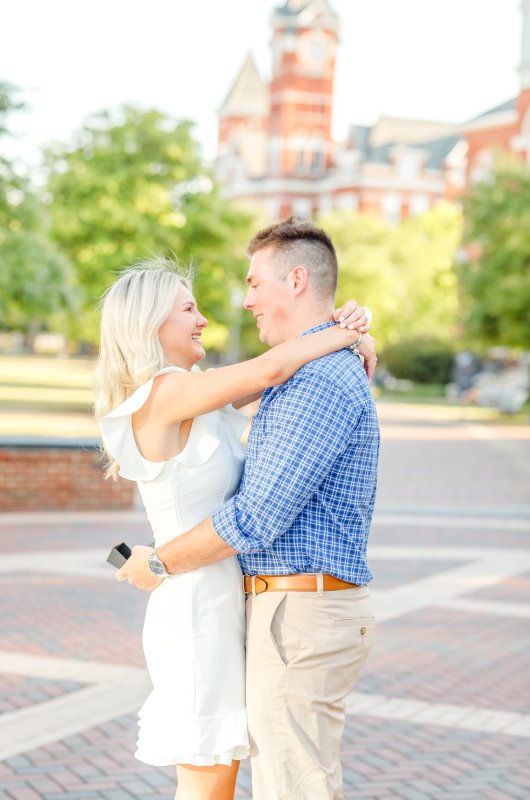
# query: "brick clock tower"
(276, 152)
(304, 43)
(521, 142)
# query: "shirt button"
(363, 631)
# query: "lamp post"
(236, 302)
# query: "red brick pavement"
(434, 655)
(76, 535)
(72, 617)
(98, 763)
(382, 760)
(453, 474)
(398, 761)
(450, 535)
(452, 657)
(512, 590)
(388, 573)
(20, 691)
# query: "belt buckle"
(255, 589)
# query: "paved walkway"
(442, 710)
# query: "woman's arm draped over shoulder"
(178, 396)
(350, 315)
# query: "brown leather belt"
(302, 582)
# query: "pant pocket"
(362, 629)
(285, 637)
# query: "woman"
(180, 442)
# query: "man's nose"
(246, 302)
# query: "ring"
(368, 315)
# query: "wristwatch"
(157, 566)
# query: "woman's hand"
(367, 350)
(353, 316)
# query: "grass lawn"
(433, 394)
(46, 396)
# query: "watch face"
(156, 566)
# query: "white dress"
(194, 631)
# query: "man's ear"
(298, 279)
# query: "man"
(300, 525)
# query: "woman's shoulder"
(118, 437)
(137, 399)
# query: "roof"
(399, 130)
(436, 150)
(297, 13)
(294, 7)
(508, 105)
(249, 95)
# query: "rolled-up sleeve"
(308, 429)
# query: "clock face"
(314, 50)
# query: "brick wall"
(47, 474)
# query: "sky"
(445, 60)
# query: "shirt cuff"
(224, 520)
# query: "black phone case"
(119, 555)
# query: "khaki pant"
(305, 651)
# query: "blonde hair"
(132, 310)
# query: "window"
(407, 168)
(347, 201)
(391, 207)
(317, 162)
(481, 170)
(274, 154)
(302, 208)
(419, 203)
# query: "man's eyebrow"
(250, 278)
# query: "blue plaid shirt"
(307, 494)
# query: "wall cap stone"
(48, 443)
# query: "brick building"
(507, 126)
(276, 149)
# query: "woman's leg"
(206, 783)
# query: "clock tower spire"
(525, 46)
(304, 43)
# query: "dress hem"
(196, 759)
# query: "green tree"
(495, 278)
(35, 278)
(17, 206)
(404, 273)
(132, 185)
(35, 283)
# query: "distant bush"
(420, 360)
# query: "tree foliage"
(495, 280)
(132, 185)
(404, 273)
(35, 278)
(423, 360)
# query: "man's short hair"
(301, 244)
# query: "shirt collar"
(316, 328)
